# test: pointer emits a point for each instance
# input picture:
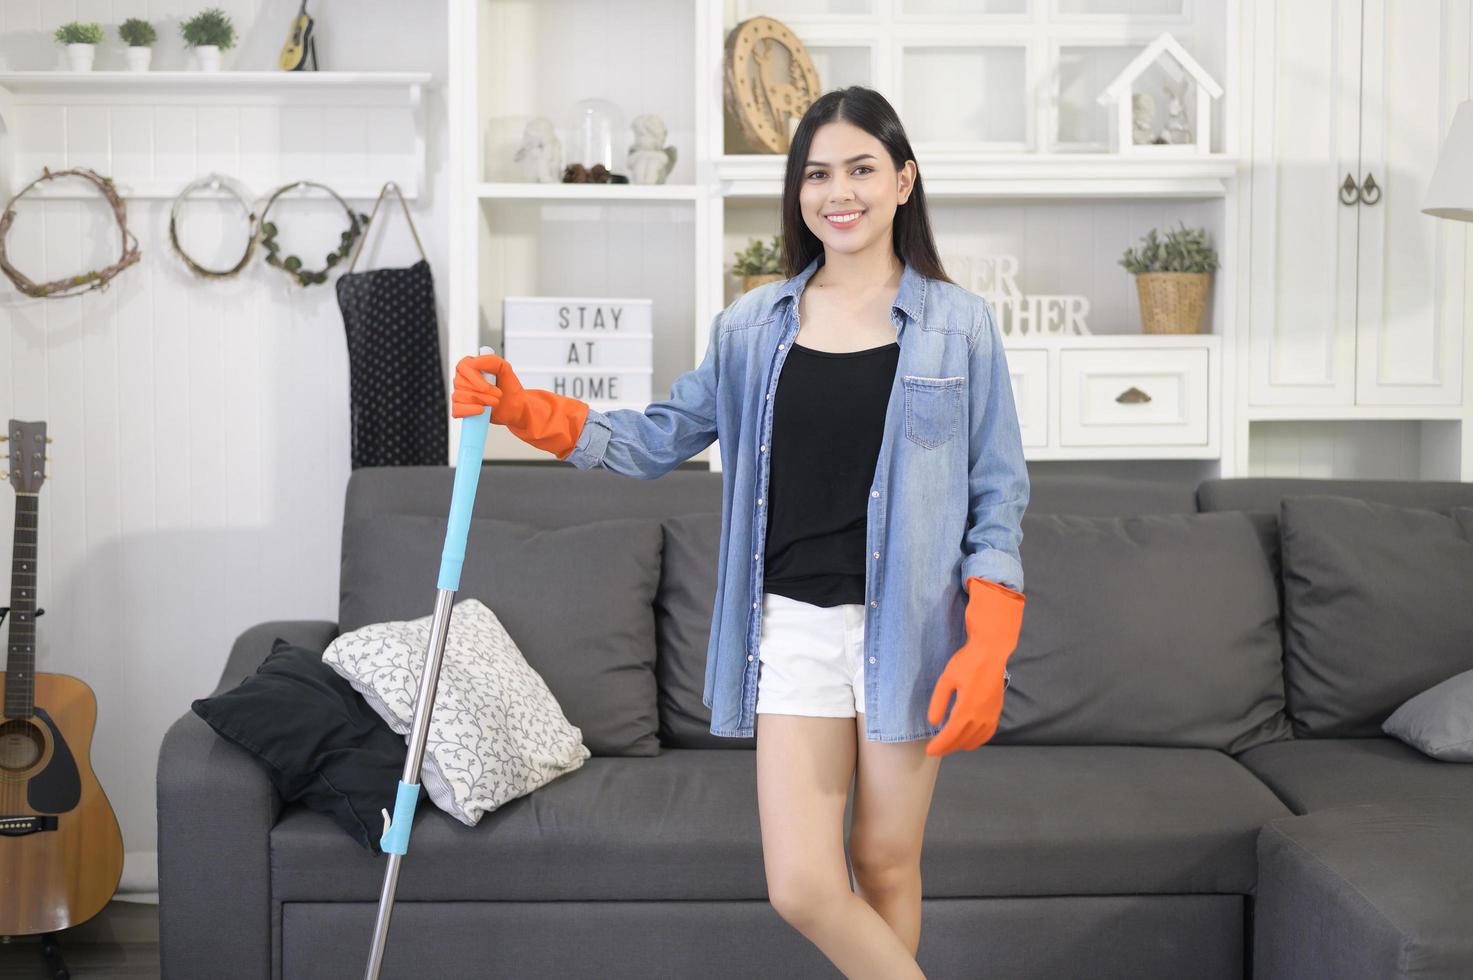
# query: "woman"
(873, 488)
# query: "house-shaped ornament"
(1118, 95)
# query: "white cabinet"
(1133, 397)
(1356, 297)
(1028, 374)
(1152, 396)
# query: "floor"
(20, 959)
(120, 943)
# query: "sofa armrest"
(216, 808)
(253, 646)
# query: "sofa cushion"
(1367, 890)
(1261, 494)
(1158, 629)
(1005, 821)
(495, 733)
(1315, 773)
(1439, 721)
(316, 738)
(683, 608)
(577, 600)
(680, 826)
(1376, 609)
(540, 492)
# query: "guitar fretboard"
(20, 668)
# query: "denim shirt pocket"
(933, 409)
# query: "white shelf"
(1353, 413)
(1020, 175)
(156, 82)
(153, 132)
(529, 190)
(955, 176)
(501, 77)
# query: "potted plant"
(1172, 278)
(139, 35)
(759, 263)
(81, 42)
(209, 32)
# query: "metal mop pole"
(395, 839)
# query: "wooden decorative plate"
(769, 80)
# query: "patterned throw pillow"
(496, 731)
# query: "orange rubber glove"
(976, 671)
(536, 416)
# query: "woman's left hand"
(976, 672)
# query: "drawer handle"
(1132, 396)
(1349, 192)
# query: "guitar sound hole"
(20, 745)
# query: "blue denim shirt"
(946, 503)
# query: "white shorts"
(810, 658)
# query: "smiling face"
(850, 189)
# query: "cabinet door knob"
(1368, 188)
(1349, 188)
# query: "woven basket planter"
(1172, 302)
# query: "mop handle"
(468, 458)
(467, 471)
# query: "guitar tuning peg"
(50, 440)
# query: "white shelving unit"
(1020, 176)
(155, 131)
(1032, 180)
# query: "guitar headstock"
(27, 454)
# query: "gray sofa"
(1133, 817)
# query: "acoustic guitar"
(61, 852)
(300, 44)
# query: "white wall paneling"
(201, 429)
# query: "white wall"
(195, 485)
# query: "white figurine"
(650, 160)
(540, 157)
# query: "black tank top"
(828, 418)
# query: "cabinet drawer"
(1133, 396)
(1028, 374)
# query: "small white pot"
(208, 56)
(81, 55)
(138, 57)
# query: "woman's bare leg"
(804, 768)
(892, 797)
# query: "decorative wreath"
(87, 281)
(213, 182)
(293, 265)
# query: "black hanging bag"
(396, 381)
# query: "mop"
(395, 838)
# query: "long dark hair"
(871, 112)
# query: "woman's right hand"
(473, 393)
(538, 417)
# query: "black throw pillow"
(318, 738)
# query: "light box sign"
(598, 350)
